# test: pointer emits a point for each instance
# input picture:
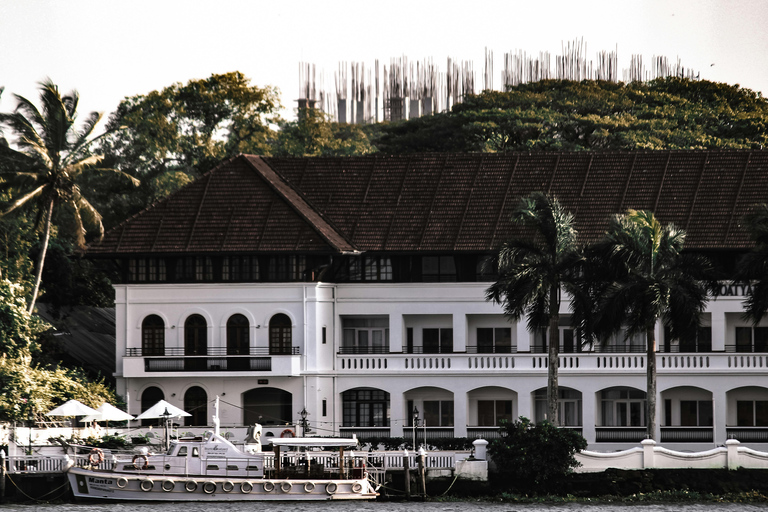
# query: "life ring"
(227, 486)
(357, 487)
(331, 488)
(286, 486)
(190, 486)
(287, 433)
(141, 457)
(269, 487)
(122, 482)
(246, 487)
(209, 487)
(147, 485)
(168, 485)
(96, 456)
(309, 487)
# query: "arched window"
(267, 406)
(365, 407)
(237, 336)
(153, 336)
(195, 336)
(196, 404)
(280, 335)
(150, 397)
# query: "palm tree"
(753, 267)
(51, 156)
(532, 271)
(647, 277)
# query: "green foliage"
(44, 171)
(28, 390)
(646, 276)
(533, 457)
(668, 113)
(313, 134)
(172, 136)
(402, 443)
(753, 267)
(18, 329)
(107, 441)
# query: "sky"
(109, 50)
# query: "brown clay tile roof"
(441, 202)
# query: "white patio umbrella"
(162, 410)
(72, 408)
(107, 412)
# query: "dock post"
(422, 471)
(407, 475)
(2, 476)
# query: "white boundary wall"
(732, 456)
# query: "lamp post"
(415, 424)
(304, 424)
(31, 422)
(166, 420)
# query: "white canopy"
(313, 441)
(161, 410)
(72, 408)
(107, 412)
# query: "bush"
(532, 457)
(107, 441)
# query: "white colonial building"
(353, 289)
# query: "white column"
(396, 333)
(719, 416)
(459, 333)
(523, 336)
(460, 407)
(397, 414)
(718, 328)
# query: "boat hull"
(106, 485)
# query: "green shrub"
(534, 457)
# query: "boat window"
(182, 451)
(195, 451)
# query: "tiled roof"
(441, 202)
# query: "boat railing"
(311, 464)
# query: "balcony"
(620, 434)
(138, 362)
(748, 434)
(506, 363)
(687, 434)
(364, 433)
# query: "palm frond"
(23, 200)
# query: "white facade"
(704, 397)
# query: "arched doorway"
(280, 335)
(196, 404)
(150, 397)
(153, 336)
(195, 343)
(267, 406)
(238, 343)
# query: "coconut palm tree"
(645, 277)
(532, 272)
(52, 155)
(753, 267)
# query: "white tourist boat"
(211, 468)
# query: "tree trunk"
(41, 256)
(554, 360)
(650, 397)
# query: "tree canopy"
(46, 169)
(550, 115)
(168, 138)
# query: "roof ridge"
(300, 204)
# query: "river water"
(350, 506)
